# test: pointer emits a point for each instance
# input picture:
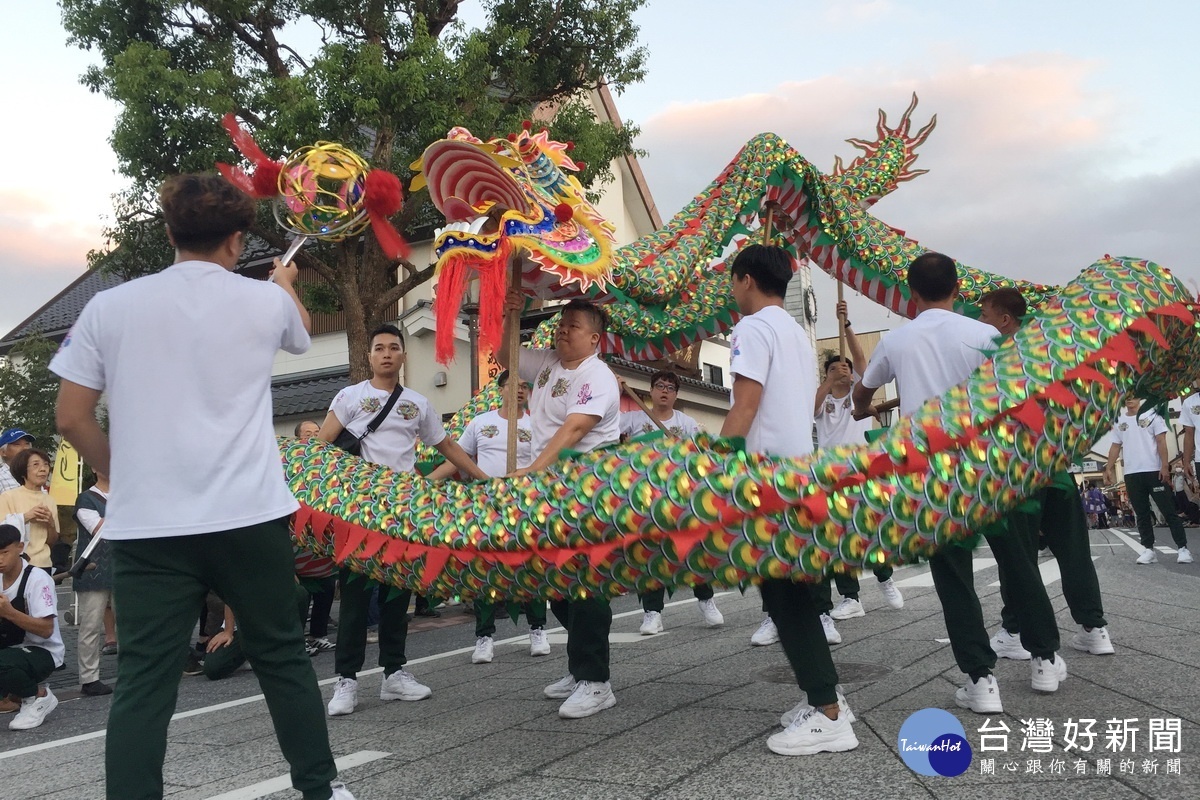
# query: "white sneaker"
(340, 792)
(539, 643)
(1148, 557)
(1007, 645)
(589, 697)
(981, 696)
(484, 650)
(891, 594)
(813, 732)
(1047, 675)
(34, 711)
(345, 698)
(561, 689)
(831, 633)
(801, 708)
(712, 615)
(651, 623)
(766, 634)
(401, 685)
(847, 609)
(1096, 641)
(1184, 556)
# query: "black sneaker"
(193, 666)
(96, 689)
(427, 612)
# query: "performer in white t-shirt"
(199, 499)
(394, 444)
(485, 439)
(664, 391)
(1142, 440)
(575, 406)
(774, 384)
(31, 646)
(1189, 417)
(937, 350)
(836, 425)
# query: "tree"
(28, 389)
(385, 77)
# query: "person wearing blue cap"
(12, 441)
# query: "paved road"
(695, 707)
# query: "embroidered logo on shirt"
(1144, 423)
(543, 377)
(1195, 410)
(585, 395)
(1124, 426)
(560, 388)
(524, 435)
(489, 431)
(370, 404)
(47, 597)
(408, 410)
(733, 345)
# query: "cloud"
(846, 12)
(1031, 173)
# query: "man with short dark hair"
(937, 350)
(31, 646)
(185, 357)
(774, 384)
(575, 405)
(1059, 520)
(664, 391)
(393, 444)
(307, 429)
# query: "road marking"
(926, 577)
(613, 638)
(1049, 570)
(1127, 539)
(264, 788)
(195, 712)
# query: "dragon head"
(512, 195)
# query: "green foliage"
(28, 389)
(386, 77)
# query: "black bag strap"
(20, 598)
(383, 412)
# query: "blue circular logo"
(933, 742)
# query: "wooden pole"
(767, 233)
(841, 326)
(637, 398)
(513, 345)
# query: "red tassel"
(383, 196)
(493, 290)
(451, 284)
(266, 179)
(264, 184)
(243, 141)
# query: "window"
(714, 374)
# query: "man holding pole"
(575, 405)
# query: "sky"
(1066, 130)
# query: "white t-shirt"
(590, 388)
(1189, 411)
(937, 350)
(771, 348)
(636, 423)
(40, 602)
(485, 439)
(1137, 436)
(836, 423)
(7, 481)
(185, 357)
(394, 442)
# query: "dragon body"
(656, 512)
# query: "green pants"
(351, 649)
(158, 584)
(485, 615)
(22, 668)
(587, 623)
(954, 581)
(655, 599)
(793, 609)
(1141, 486)
(1063, 525)
(224, 661)
(1015, 552)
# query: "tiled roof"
(648, 369)
(307, 392)
(57, 316)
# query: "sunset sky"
(1066, 130)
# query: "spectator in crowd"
(31, 469)
(307, 429)
(12, 441)
(31, 646)
(94, 587)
